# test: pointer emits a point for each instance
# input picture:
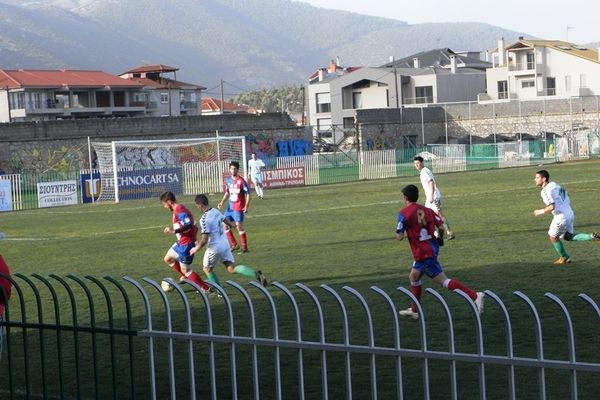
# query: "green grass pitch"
(343, 235)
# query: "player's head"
(168, 199)
(411, 193)
(418, 162)
(234, 167)
(542, 177)
(254, 155)
(201, 201)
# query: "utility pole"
(8, 104)
(396, 85)
(222, 98)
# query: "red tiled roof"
(212, 104)
(33, 78)
(152, 68)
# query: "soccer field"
(343, 235)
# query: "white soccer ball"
(166, 286)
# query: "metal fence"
(74, 337)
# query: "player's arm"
(225, 196)
(541, 211)
(400, 228)
(430, 191)
(200, 243)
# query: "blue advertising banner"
(143, 184)
(90, 187)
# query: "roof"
(559, 45)
(152, 68)
(438, 58)
(165, 83)
(33, 78)
(211, 104)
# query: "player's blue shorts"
(235, 216)
(183, 253)
(430, 267)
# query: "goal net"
(141, 169)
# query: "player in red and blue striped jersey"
(238, 192)
(419, 224)
(178, 257)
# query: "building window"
(551, 86)
(424, 94)
(349, 123)
(323, 102)
(567, 83)
(324, 124)
(530, 61)
(582, 80)
(502, 89)
(527, 84)
(357, 100)
(164, 98)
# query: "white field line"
(525, 190)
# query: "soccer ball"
(166, 286)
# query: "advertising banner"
(147, 183)
(279, 177)
(52, 194)
(5, 195)
(90, 186)
(283, 177)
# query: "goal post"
(137, 169)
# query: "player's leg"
(416, 289)
(571, 235)
(228, 232)
(172, 259)
(453, 284)
(437, 207)
(238, 217)
(210, 260)
(558, 228)
(185, 261)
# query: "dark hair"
(543, 173)
(234, 164)
(166, 196)
(418, 158)
(201, 199)
(411, 192)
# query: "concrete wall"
(62, 145)
(460, 122)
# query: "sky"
(575, 20)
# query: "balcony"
(189, 105)
(527, 68)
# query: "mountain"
(248, 43)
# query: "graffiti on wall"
(44, 157)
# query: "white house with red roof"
(164, 96)
(36, 95)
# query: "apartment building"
(532, 69)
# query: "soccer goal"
(140, 169)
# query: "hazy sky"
(549, 19)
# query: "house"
(334, 94)
(162, 95)
(441, 58)
(533, 69)
(36, 95)
(212, 106)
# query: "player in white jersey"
(556, 201)
(211, 228)
(255, 165)
(433, 197)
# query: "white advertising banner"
(52, 194)
(5, 195)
